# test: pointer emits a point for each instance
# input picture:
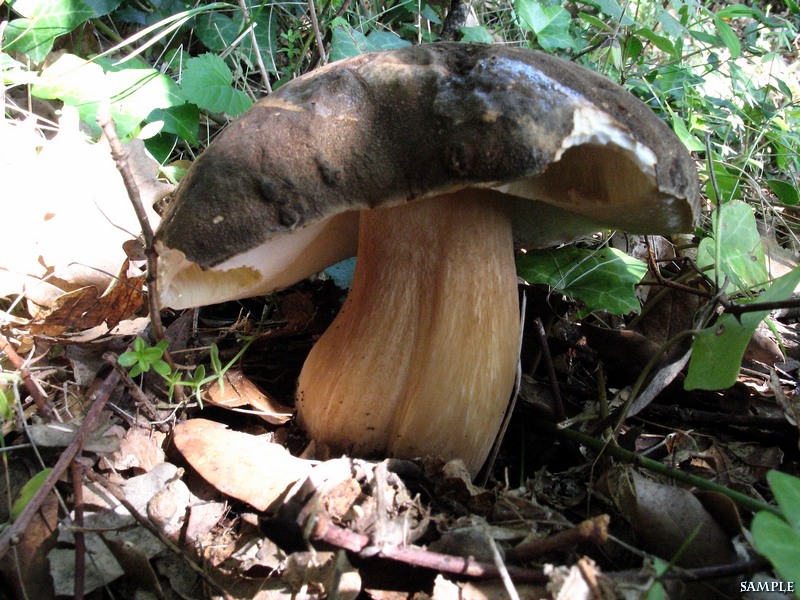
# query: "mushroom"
(434, 162)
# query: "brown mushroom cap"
(276, 196)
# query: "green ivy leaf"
(477, 34)
(207, 82)
(742, 259)
(43, 21)
(549, 23)
(604, 279)
(776, 538)
(132, 93)
(717, 351)
(378, 41)
(347, 42)
(183, 121)
(786, 192)
(218, 31)
(786, 489)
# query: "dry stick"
(253, 40)
(655, 271)
(488, 466)
(317, 34)
(162, 537)
(326, 531)
(99, 400)
(121, 160)
(558, 404)
(39, 399)
(76, 473)
(593, 530)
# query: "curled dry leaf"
(244, 466)
(239, 391)
(86, 308)
(139, 449)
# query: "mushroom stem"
(422, 357)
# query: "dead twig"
(121, 160)
(254, 41)
(39, 398)
(326, 531)
(100, 398)
(76, 474)
(591, 530)
(558, 403)
(317, 33)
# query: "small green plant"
(779, 539)
(292, 43)
(143, 358)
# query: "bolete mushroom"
(435, 161)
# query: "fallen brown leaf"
(237, 391)
(85, 308)
(240, 465)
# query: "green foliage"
(207, 83)
(741, 269)
(6, 407)
(549, 23)
(143, 358)
(219, 31)
(603, 279)
(742, 263)
(132, 93)
(779, 539)
(27, 492)
(348, 42)
(42, 22)
(717, 350)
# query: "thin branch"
(121, 160)
(558, 403)
(317, 33)
(76, 474)
(325, 531)
(254, 41)
(593, 530)
(100, 398)
(39, 398)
